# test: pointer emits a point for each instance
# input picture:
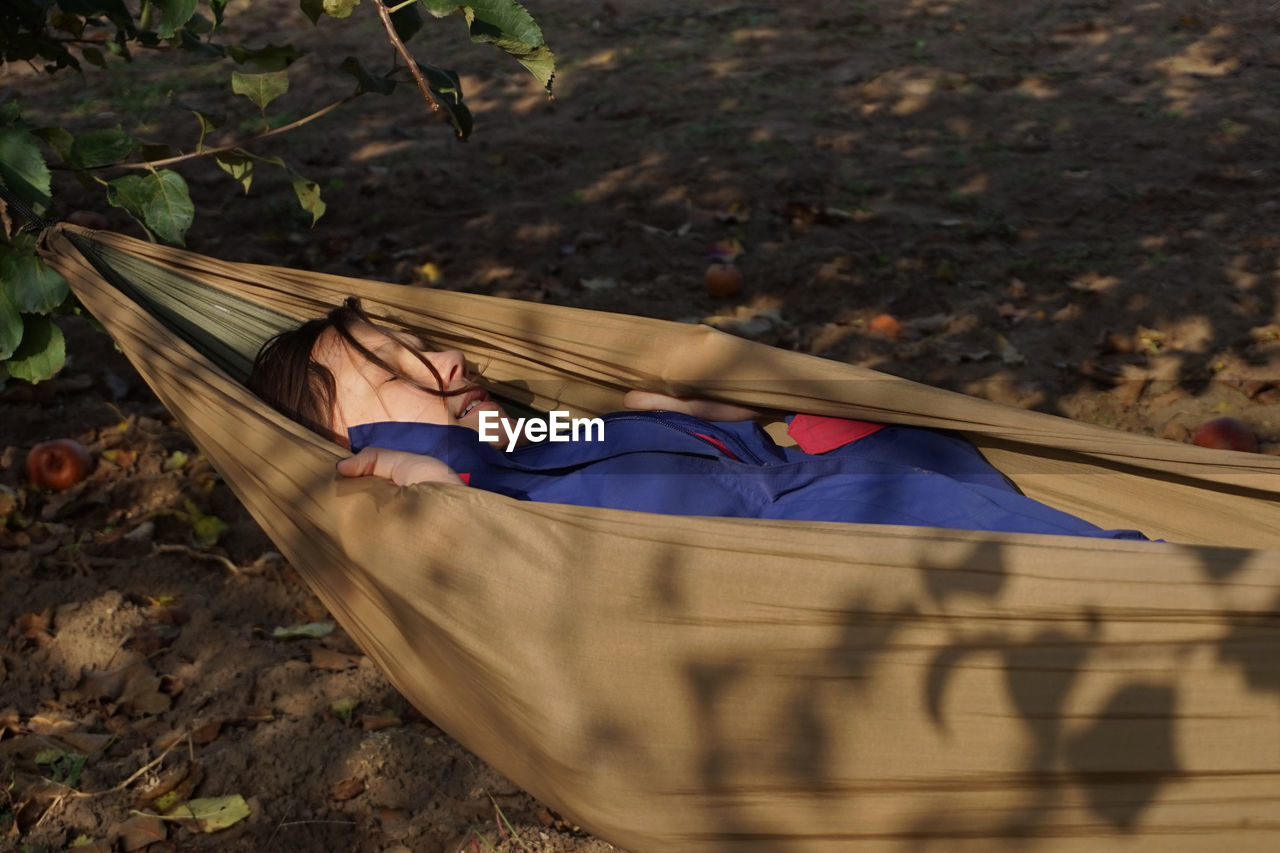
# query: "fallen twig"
(197, 555)
(282, 824)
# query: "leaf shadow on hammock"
(775, 725)
(1253, 645)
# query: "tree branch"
(394, 38)
(207, 152)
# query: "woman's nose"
(451, 364)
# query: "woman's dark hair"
(285, 375)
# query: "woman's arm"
(398, 466)
(708, 410)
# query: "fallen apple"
(886, 326)
(723, 280)
(1225, 434)
(58, 464)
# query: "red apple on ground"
(723, 280)
(886, 326)
(1225, 434)
(58, 464)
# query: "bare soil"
(1073, 207)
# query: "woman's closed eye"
(411, 364)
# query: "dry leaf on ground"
(140, 831)
(347, 789)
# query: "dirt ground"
(1067, 206)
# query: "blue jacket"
(664, 462)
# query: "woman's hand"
(398, 466)
(708, 410)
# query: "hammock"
(711, 684)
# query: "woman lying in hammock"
(414, 415)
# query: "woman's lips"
(471, 401)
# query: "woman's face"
(366, 393)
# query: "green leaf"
(101, 148)
(173, 14)
(67, 767)
(113, 9)
(57, 138)
(166, 802)
(10, 322)
(154, 151)
(159, 201)
(273, 57)
(340, 8)
(213, 814)
(313, 9)
(366, 80)
(48, 755)
(130, 192)
(307, 630)
(192, 43)
(21, 46)
(406, 20)
(262, 89)
(443, 82)
(199, 25)
(207, 529)
(217, 7)
(22, 168)
(447, 88)
(30, 286)
(93, 56)
(170, 213)
(237, 165)
(70, 24)
(308, 196)
(208, 121)
(42, 352)
(507, 25)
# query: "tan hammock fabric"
(692, 684)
